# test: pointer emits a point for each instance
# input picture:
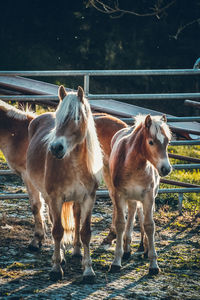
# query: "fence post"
(86, 84)
(180, 202)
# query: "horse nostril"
(165, 171)
(60, 147)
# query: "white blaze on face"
(156, 132)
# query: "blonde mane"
(15, 113)
(69, 109)
(156, 126)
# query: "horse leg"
(112, 232)
(143, 242)
(77, 242)
(55, 208)
(86, 211)
(120, 226)
(132, 207)
(149, 227)
(36, 207)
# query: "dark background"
(68, 35)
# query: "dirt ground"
(25, 274)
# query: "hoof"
(127, 255)
(108, 240)
(77, 256)
(89, 279)
(140, 248)
(56, 275)
(153, 271)
(33, 248)
(114, 269)
(63, 262)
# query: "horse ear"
(164, 118)
(148, 121)
(62, 92)
(80, 94)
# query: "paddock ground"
(25, 274)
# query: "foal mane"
(157, 128)
(15, 113)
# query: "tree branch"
(181, 28)
(115, 11)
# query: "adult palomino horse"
(13, 143)
(138, 158)
(64, 162)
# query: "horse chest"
(136, 192)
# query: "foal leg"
(120, 226)
(143, 242)
(149, 227)
(132, 207)
(112, 232)
(36, 207)
(55, 207)
(86, 211)
(77, 242)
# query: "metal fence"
(87, 74)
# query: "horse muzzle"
(57, 150)
(165, 170)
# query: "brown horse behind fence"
(13, 143)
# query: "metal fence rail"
(86, 74)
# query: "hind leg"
(143, 242)
(36, 207)
(86, 211)
(120, 226)
(132, 207)
(77, 241)
(112, 232)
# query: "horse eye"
(151, 143)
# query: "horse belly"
(136, 192)
(75, 193)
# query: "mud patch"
(25, 275)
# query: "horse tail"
(67, 220)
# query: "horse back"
(14, 140)
(106, 127)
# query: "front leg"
(86, 210)
(149, 227)
(57, 232)
(77, 242)
(132, 207)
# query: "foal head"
(70, 123)
(157, 137)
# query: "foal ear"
(164, 118)
(62, 92)
(148, 121)
(80, 94)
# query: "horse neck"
(136, 147)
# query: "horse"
(137, 160)
(107, 126)
(13, 143)
(64, 162)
